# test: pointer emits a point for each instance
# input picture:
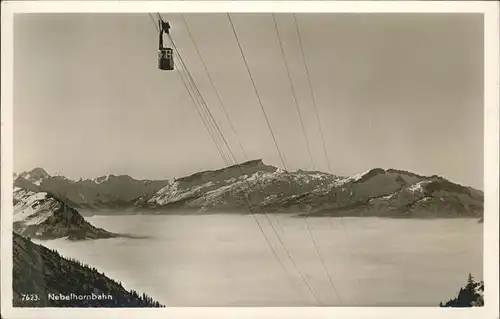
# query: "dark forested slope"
(43, 278)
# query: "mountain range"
(256, 187)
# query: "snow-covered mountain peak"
(35, 176)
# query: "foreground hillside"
(471, 295)
(41, 215)
(264, 188)
(42, 278)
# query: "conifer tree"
(469, 296)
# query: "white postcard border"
(491, 159)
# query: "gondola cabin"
(165, 54)
(165, 59)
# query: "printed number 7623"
(30, 297)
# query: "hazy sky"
(393, 91)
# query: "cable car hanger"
(165, 54)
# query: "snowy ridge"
(26, 207)
(376, 192)
(210, 194)
(40, 215)
(173, 193)
(357, 177)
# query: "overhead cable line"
(304, 59)
(241, 170)
(205, 122)
(198, 93)
(320, 255)
(255, 87)
(214, 87)
(201, 105)
(312, 94)
(241, 146)
(204, 119)
(271, 132)
(154, 22)
(293, 92)
(203, 116)
(209, 123)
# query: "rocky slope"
(264, 188)
(41, 215)
(41, 276)
(400, 194)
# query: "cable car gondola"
(165, 54)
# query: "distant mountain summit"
(261, 188)
(36, 176)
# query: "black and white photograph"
(288, 158)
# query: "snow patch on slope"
(418, 187)
(357, 177)
(102, 179)
(26, 207)
(173, 193)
